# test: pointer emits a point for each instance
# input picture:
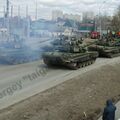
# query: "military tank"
(106, 48)
(72, 55)
(105, 51)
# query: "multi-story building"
(57, 14)
(88, 15)
(72, 17)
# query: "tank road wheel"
(80, 65)
(92, 61)
(109, 55)
(83, 65)
(73, 66)
(86, 63)
(46, 62)
(89, 62)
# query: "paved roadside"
(118, 111)
(85, 92)
(29, 87)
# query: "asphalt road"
(22, 81)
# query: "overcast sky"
(45, 7)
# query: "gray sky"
(45, 7)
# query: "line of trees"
(115, 23)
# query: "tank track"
(110, 55)
(75, 66)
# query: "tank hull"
(69, 60)
(108, 52)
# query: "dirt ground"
(82, 98)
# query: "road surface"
(16, 83)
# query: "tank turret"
(72, 54)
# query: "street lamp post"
(100, 17)
(100, 23)
(36, 9)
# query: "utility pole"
(11, 11)
(7, 17)
(28, 28)
(104, 2)
(4, 11)
(26, 11)
(100, 22)
(19, 11)
(28, 23)
(36, 10)
(7, 9)
(4, 15)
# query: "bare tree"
(115, 24)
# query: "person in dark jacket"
(109, 111)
